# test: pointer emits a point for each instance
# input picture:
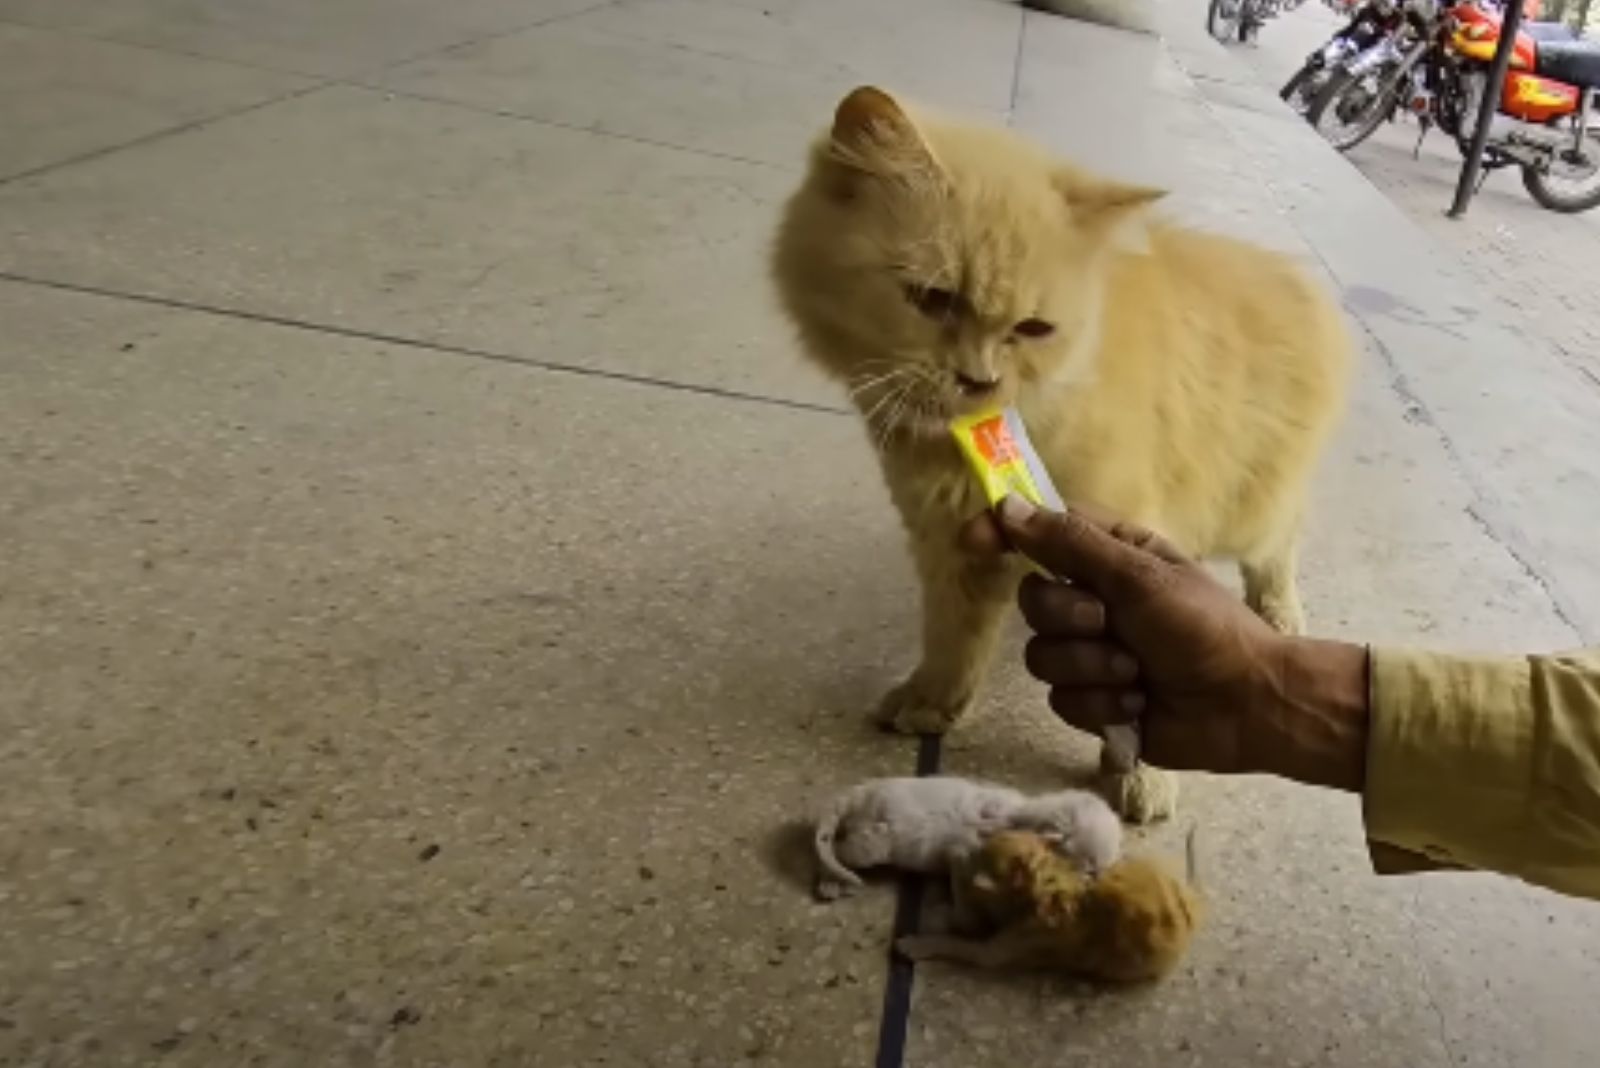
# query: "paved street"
(1538, 265)
(434, 590)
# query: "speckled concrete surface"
(511, 236)
(63, 96)
(417, 654)
(345, 39)
(345, 682)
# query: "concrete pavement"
(433, 587)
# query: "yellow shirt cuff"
(1449, 757)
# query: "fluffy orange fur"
(1132, 924)
(1182, 380)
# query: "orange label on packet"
(994, 440)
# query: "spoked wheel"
(1350, 107)
(1225, 20)
(1571, 181)
(1301, 90)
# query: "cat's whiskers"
(892, 422)
(878, 427)
(912, 397)
(905, 378)
(863, 384)
(878, 405)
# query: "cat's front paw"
(907, 709)
(1283, 614)
(1143, 795)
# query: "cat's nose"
(976, 387)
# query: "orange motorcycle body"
(1535, 99)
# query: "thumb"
(1075, 548)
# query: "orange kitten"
(1132, 924)
(1181, 380)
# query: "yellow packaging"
(997, 449)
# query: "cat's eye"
(1034, 328)
(936, 303)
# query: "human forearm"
(1314, 720)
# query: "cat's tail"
(834, 876)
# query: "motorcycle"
(1438, 70)
(1370, 22)
(1357, 97)
(1241, 20)
(1542, 120)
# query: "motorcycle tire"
(1290, 93)
(1335, 88)
(1225, 30)
(1542, 195)
(1295, 82)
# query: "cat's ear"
(1112, 211)
(872, 134)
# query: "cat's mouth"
(907, 405)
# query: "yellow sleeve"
(1489, 763)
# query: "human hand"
(1146, 634)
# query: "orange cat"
(1132, 924)
(1182, 380)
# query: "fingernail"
(1124, 667)
(1015, 510)
(1132, 702)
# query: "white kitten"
(927, 824)
(1081, 824)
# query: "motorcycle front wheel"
(1351, 107)
(1301, 89)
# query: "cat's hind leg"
(1271, 588)
(1141, 794)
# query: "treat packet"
(997, 449)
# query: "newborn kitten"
(1132, 924)
(928, 824)
(1078, 823)
(1181, 380)
(918, 824)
